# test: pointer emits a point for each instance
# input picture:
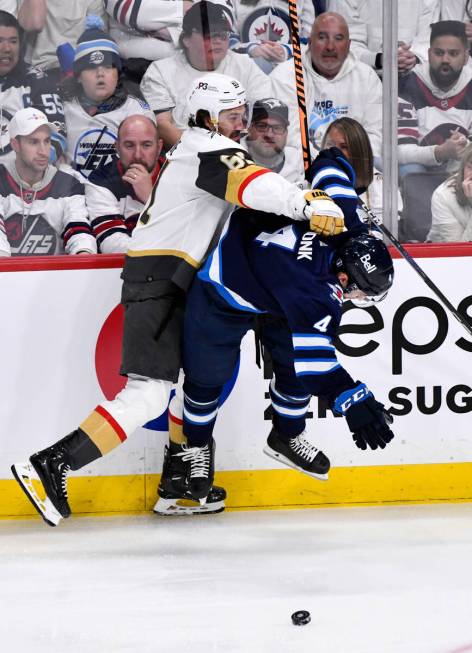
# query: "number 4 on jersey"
(284, 238)
(322, 324)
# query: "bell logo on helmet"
(368, 266)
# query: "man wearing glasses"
(267, 139)
(204, 47)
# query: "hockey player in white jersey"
(205, 174)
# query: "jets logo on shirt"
(31, 236)
(266, 24)
(94, 148)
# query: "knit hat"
(270, 107)
(95, 47)
(206, 17)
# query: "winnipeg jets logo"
(266, 24)
(336, 292)
(97, 57)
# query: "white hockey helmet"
(214, 92)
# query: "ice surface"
(376, 580)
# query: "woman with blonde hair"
(349, 136)
(451, 205)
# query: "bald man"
(117, 192)
(336, 84)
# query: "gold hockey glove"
(325, 216)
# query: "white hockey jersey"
(204, 175)
(427, 115)
(49, 217)
(91, 139)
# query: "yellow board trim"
(164, 252)
(267, 489)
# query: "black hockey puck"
(301, 618)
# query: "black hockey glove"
(366, 417)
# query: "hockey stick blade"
(466, 323)
(24, 475)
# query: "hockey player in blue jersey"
(269, 265)
(303, 280)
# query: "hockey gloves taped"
(326, 218)
(366, 417)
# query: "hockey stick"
(409, 259)
(299, 83)
(300, 89)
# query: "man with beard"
(267, 139)
(118, 191)
(435, 105)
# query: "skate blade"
(24, 474)
(286, 461)
(168, 507)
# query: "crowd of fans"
(93, 92)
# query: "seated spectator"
(59, 21)
(42, 209)
(336, 84)
(117, 192)
(451, 205)
(95, 101)
(22, 86)
(351, 138)
(145, 31)
(204, 41)
(364, 18)
(264, 29)
(267, 139)
(435, 100)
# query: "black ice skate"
(299, 454)
(175, 497)
(50, 466)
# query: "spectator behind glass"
(451, 205)
(364, 18)
(95, 100)
(60, 21)
(336, 84)
(22, 86)
(264, 29)
(351, 138)
(117, 192)
(145, 30)
(435, 104)
(459, 10)
(28, 12)
(267, 139)
(42, 209)
(204, 42)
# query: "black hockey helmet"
(369, 267)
